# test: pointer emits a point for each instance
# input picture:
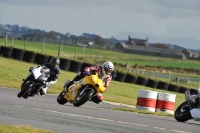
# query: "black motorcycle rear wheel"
(60, 99)
(182, 113)
(81, 99)
(25, 90)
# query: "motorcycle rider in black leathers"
(53, 65)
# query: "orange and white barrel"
(165, 103)
(147, 100)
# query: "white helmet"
(107, 67)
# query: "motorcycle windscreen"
(98, 83)
(36, 72)
(101, 87)
(195, 113)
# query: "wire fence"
(184, 80)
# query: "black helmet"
(54, 62)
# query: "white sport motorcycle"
(188, 110)
(34, 81)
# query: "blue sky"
(170, 21)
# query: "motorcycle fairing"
(195, 113)
(72, 92)
(41, 70)
(93, 80)
(98, 83)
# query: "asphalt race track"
(44, 112)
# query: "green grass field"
(117, 57)
(21, 129)
(13, 71)
(117, 92)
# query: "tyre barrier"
(165, 103)
(152, 83)
(85, 65)
(146, 100)
(0, 50)
(183, 89)
(18, 54)
(142, 81)
(131, 78)
(114, 75)
(162, 85)
(120, 76)
(7, 52)
(29, 56)
(75, 66)
(41, 59)
(174, 88)
(49, 59)
(193, 91)
(64, 64)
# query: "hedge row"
(75, 66)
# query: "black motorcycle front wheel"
(25, 90)
(83, 98)
(60, 99)
(182, 113)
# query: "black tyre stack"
(75, 66)
(163, 85)
(114, 75)
(65, 64)
(29, 56)
(152, 83)
(173, 87)
(183, 89)
(6, 51)
(142, 80)
(41, 59)
(131, 78)
(193, 91)
(85, 65)
(120, 76)
(49, 59)
(18, 54)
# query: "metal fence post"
(75, 54)
(25, 44)
(6, 39)
(42, 47)
(12, 41)
(59, 50)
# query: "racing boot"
(97, 99)
(44, 89)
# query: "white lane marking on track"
(103, 119)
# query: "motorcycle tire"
(25, 90)
(81, 99)
(60, 99)
(182, 116)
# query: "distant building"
(140, 46)
(190, 54)
(187, 53)
(137, 42)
